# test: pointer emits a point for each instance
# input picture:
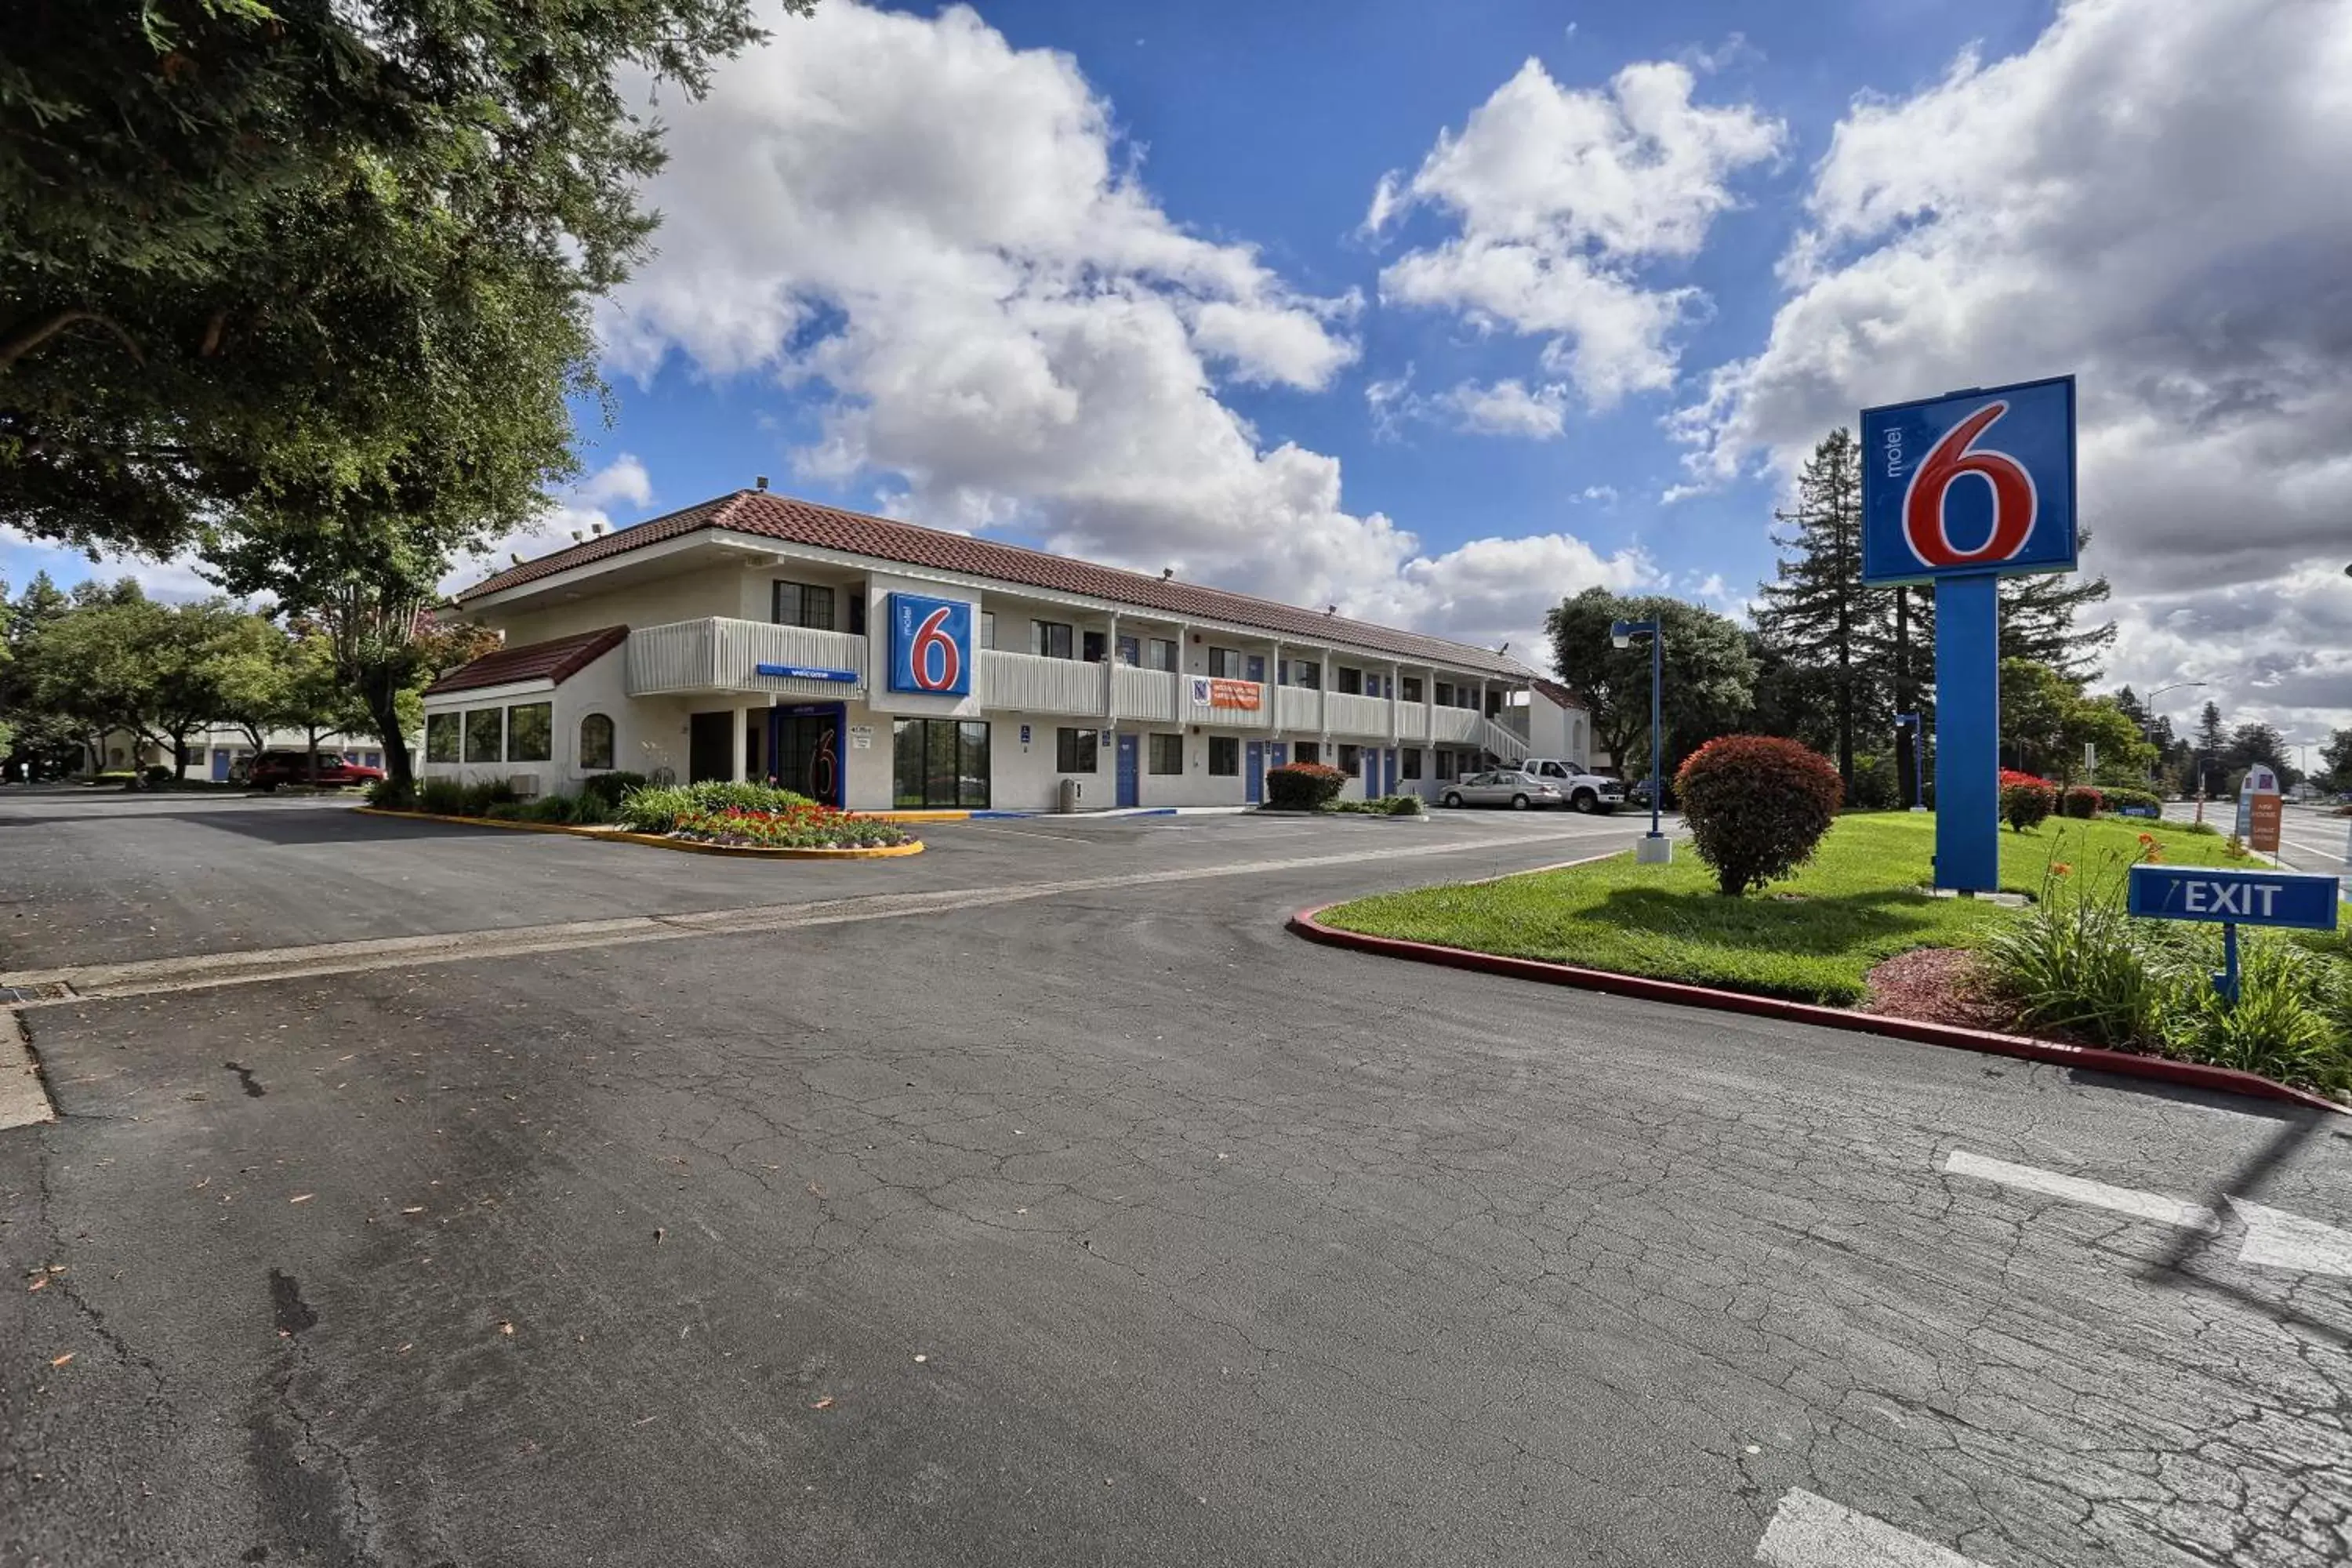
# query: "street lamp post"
(1657, 849)
(2147, 728)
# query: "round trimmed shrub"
(1303, 786)
(1757, 806)
(2027, 804)
(2082, 801)
(2132, 800)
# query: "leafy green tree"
(2336, 761)
(2121, 746)
(2036, 703)
(2043, 619)
(2255, 741)
(314, 698)
(263, 249)
(42, 741)
(1816, 613)
(1710, 681)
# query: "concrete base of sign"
(1654, 850)
(2006, 900)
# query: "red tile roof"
(771, 516)
(1560, 696)
(557, 660)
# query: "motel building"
(878, 664)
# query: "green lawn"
(1813, 937)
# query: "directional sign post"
(2232, 898)
(1962, 490)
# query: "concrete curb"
(2091, 1059)
(656, 840)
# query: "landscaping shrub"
(2027, 802)
(159, 773)
(609, 789)
(2120, 798)
(2082, 800)
(1757, 806)
(652, 809)
(1874, 784)
(389, 794)
(806, 825)
(1381, 805)
(441, 797)
(656, 810)
(1303, 786)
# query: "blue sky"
(1107, 279)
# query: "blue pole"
(1657, 735)
(2226, 983)
(1967, 732)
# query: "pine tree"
(1817, 614)
(2041, 619)
(2206, 750)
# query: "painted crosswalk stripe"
(2277, 1239)
(1810, 1532)
(2075, 1189)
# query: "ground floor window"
(939, 764)
(1411, 764)
(1307, 752)
(441, 737)
(1167, 754)
(1074, 751)
(484, 733)
(531, 732)
(1225, 756)
(596, 742)
(1351, 760)
(1444, 763)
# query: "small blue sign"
(1971, 481)
(803, 672)
(931, 646)
(2150, 812)
(2264, 898)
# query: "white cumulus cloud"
(2152, 196)
(1562, 199)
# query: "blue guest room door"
(1254, 771)
(1127, 788)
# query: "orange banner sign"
(1242, 694)
(2264, 832)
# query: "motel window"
(1351, 681)
(988, 628)
(1445, 768)
(939, 763)
(1445, 694)
(1159, 653)
(1225, 663)
(1167, 754)
(1225, 756)
(484, 730)
(807, 604)
(1090, 647)
(1074, 751)
(1409, 688)
(1052, 639)
(531, 732)
(1411, 764)
(1310, 674)
(441, 737)
(1351, 760)
(1307, 752)
(596, 742)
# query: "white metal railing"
(1029, 683)
(1450, 724)
(720, 654)
(1507, 744)
(1346, 713)
(1412, 722)
(1146, 694)
(1298, 708)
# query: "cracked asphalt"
(1116, 1226)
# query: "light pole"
(2147, 726)
(1657, 849)
(1919, 757)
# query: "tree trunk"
(382, 698)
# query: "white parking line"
(2277, 1239)
(2075, 1189)
(1810, 1532)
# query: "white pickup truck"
(1581, 789)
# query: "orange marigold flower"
(2062, 870)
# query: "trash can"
(1068, 800)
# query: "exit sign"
(2262, 897)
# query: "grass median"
(1813, 938)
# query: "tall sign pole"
(1961, 492)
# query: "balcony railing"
(1029, 683)
(718, 654)
(1346, 713)
(1148, 695)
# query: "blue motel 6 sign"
(931, 646)
(1962, 490)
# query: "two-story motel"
(880, 665)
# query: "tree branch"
(18, 345)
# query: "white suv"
(1581, 789)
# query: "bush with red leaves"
(2028, 802)
(1757, 806)
(1303, 786)
(2082, 800)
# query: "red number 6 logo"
(931, 637)
(2014, 502)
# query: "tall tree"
(2042, 619)
(253, 244)
(2209, 750)
(2335, 760)
(1710, 681)
(1816, 612)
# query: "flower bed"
(806, 825)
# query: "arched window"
(596, 742)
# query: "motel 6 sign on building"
(931, 646)
(1961, 492)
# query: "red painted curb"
(2226, 1080)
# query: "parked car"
(1531, 785)
(270, 769)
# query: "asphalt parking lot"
(1039, 1200)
